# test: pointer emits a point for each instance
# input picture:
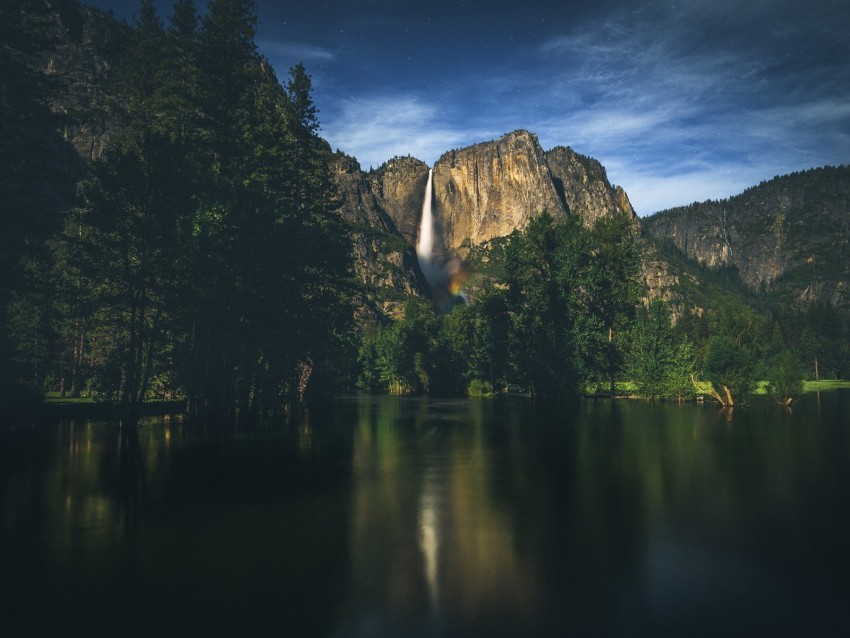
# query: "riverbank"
(55, 407)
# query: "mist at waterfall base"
(445, 274)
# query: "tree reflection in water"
(389, 516)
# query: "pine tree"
(614, 288)
(541, 266)
(32, 190)
(121, 243)
(303, 111)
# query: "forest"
(563, 312)
(203, 259)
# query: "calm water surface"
(422, 517)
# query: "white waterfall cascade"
(425, 243)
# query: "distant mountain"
(488, 190)
(786, 238)
(480, 193)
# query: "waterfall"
(443, 272)
(425, 243)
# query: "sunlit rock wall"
(584, 186)
(491, 189)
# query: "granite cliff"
(491, 189)
(399, 187)
(788, 236)
(481, 193)
(385, 263)
(583, 185)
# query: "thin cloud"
(696, 182)
(673, 124)
(679, 104)
(374, 130)
(294, 52)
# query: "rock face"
(56, 92)
(583, 185)
(384, 263)
(399, 188)
(359, 204)
(491, 189)
(84, 43)
(789, 235)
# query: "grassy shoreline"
(825, 384)
(55, 406)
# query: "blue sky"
(680, 100)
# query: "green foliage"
(205, 253)
(785, 377)
(831, 384)
(539, 278)
(479, 388)
(477, 334)
(614, 288)
(34, 182)
(566, 296)
(549, 318)
(301, 107)
(659, 367)
(413, 355)
(729, 366)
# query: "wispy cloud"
(374, 130)
(293, 52)
(674, 121)
(658, 192)
(680, 101)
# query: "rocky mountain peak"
(399, 186)
(788, 235)
(582, 183)
(490, 189)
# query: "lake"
(388, 516)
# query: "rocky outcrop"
(84, 44)
(583, 185)
(788, 235)
(359, 204)
(662, 280)
(399, 188)
(491, 189)
(385, 263)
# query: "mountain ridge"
(785, 243)
(786, 237)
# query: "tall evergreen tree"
(121, 244)
(33, 189)
(614, 288)
(541, 337)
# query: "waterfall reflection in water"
(388, 516)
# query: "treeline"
(203, 257)
(552, 320)
(561, 315)
(739, 344)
